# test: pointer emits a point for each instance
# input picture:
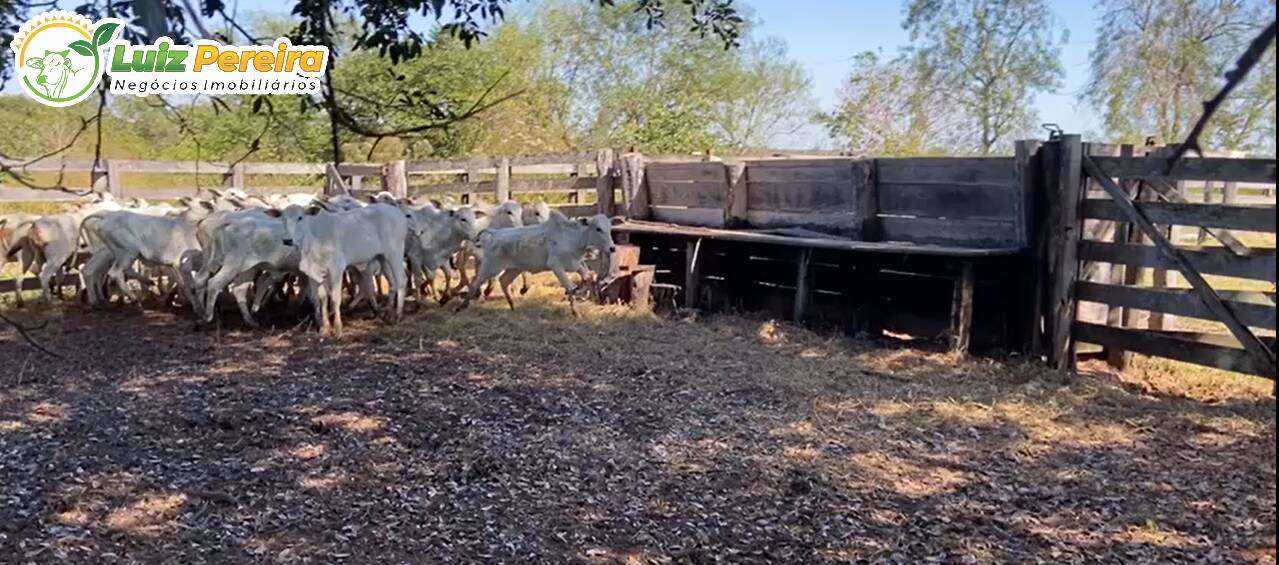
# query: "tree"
(1156, 61)
(893, 108)
(991, 56)
(381, 26)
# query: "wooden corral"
(1061, 244)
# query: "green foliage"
(991, 56)
(1156, 61)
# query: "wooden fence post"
(502, 184)
(334, 184)
(234, 178)
(1124, 275)
(107, 179)
(803, 290)
(1064, 240)
(580, 170)
(634, 192)
(693, 259)
(736, 204)
(604, 181)
(1031, 183)
(395, 179)
(469, 177)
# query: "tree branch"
(1234, 77)
(26, 335)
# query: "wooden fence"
(582, 179)
(1113, 248)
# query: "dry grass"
(618, 437)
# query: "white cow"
(167, 242)
(559, 245)
(329, 243)
(508, 214)
(435, 237)
(13, 237)
(247, 244)
(54, 239)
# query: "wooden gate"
(1229, 279)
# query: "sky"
(824, 35)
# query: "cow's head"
(55, 71)
(597, 232)
(294, 215)
(464, 222)
(508, 214)
(537, 213)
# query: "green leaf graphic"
(103, 34)
(82, 47)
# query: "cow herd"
(299, 246)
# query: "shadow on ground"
(503, 436)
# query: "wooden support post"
(1229, 197)
(1121, 274)
(1025, 319)
(634, 187)
(395, 178)
(604, 181)
(502, 185)
(866, 185)
(1207, 199)
(735, 204)
(1064, 240)
(581, 170)
(106, 179)
(692, 273)
(234, 178)
(1159, 277)
(803, 292)
(470, 197)
(961, 309)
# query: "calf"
(166, 241)
(559, 245)
(508, 214)
(435, 237)
(247, 244)
(13, 237)
(329, 243)
(54, 239)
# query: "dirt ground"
(530, 436)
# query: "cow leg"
(446, 294)
(47, 273)
(321, 302)
(116, 273)
(505, 281)
(335, 300)
(569, 288)
(240, 290)
(524, 284)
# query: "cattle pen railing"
(1062, 244)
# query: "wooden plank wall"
(957, 201)
(692, 194)
(832, 195)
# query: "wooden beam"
(1169, 345)
(1256, 311)
(1122, 274)
(1211, 168)
(803, 292)
(1174, 194)
(1246, 218)
(1064, 231)
(334, 185)
(235, 177)
(961, 310)
(1220, 310)
(692, 273)
(1258, 265)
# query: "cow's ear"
(372, 198)
(437, 203)
(207, 205)
(480, 213)
(313, 210)
(185, 201)
(36, 63)
(274, 213)
(583, 221)
(215, 192)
